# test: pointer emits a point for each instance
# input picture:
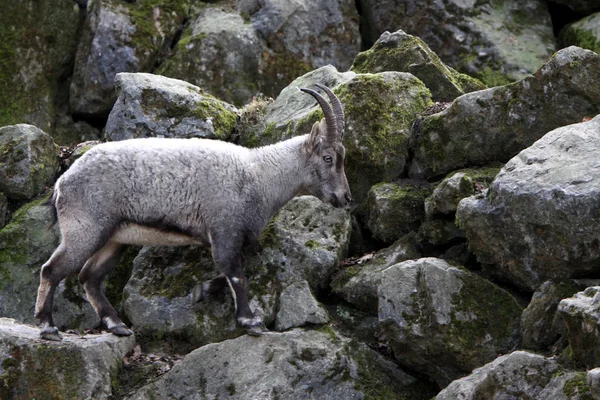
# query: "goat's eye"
(328, 159)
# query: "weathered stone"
(584, 33)
(395, 209)
(79, 367)
(582, 316)
(495, 124)
(28, 161)
(443, 321)
(221, 53)
(119, 37)
(518, 375)
(593, 382)
(358, 284)
(298, 307)
(440, 232)
(541, 326)
(39, 39)
(155, 106)
(536, 222)
(399, 51)
(290, 365)
(25, 244)
(567, 386)
(304, 241)
(497, 42)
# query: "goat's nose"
(348, 198)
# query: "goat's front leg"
(230, 262)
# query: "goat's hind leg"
(206, 289)
(92, 275)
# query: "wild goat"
(178, 192)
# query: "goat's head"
(326, 154)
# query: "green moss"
(328, 330)
(231, 389)
(312, 244)
(118, 277)
(270, 236)
(494, 77)
(223, 120)
(577, 387)
(576, 34)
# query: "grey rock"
(567, 386)
(155, 106)
(402, 52)
(536, 221)
(25, 244)
(291, 365)
(444, 321)
(582, 316)
(298, 307)
(448, 193)
(118, 37)
(395, 209)
(518, 375)
(28, 161)
(495, 124)
(584, 33)
(358, 284)
(220, 53)
(497, 42)
(593, 382)
(440, 232)
(79, 367)
(541, 326)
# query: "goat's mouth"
(335, 201)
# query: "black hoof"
(121, 330)
(50, 333)
(254, 326)
(256, 330)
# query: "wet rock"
(285, 365)
(520, 375)
(38, 46)
(399, 51)
(444, 321)
(155, 106)
(25, 244)
(497, 42)
(536, 221)
(584, 33)
(395, 209)
(541, 326)
(495, 124)
(119, 37)
(582, 316)
(357, 284)
(28, 161)
(78, 367)
(298, 307)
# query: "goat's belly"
(147, 236)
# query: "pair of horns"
(334, 113)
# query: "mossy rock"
(584, 33)
(401, 52)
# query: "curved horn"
(337, 107)
(327, 111)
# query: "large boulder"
(568, 386)
(518, 375)
(79, 367)
(221, 53)
(298, 307)
(402, 52)
(495, 124)
(584, 33)
(497, 42)
(291, 365)
(39, 39)
(25, 244)
(444, 321)
(357, 284)
(118, 37)
(304, 242)
(582, 316)
(154, 106)
(395, 209)
(537, 220)
(28, 161)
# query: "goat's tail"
(51, 202)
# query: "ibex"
(178, 192)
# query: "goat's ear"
(315, 138)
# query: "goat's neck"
(282, 172)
